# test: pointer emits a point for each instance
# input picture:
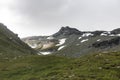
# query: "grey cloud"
(40, 7)
(83, 14)
(68, 9)
(42, 11)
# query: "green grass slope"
(100, 66)
(11, 45)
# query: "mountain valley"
(69, 54)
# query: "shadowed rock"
(107, 43)
(115, 31)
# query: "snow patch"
(87, 34)
(109, 32)
(45, 53)
(61, 42)
(33, 46)
(61, 47)
(118, 34)
(105, 33)
(79, 37)
(98, 39)
(50, 37)
(84, 40)
(112, 35)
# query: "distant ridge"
(72, 42)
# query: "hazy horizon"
(43, 17)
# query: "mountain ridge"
(11, 45)
(72, 40)
(61, 64)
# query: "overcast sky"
(45, 17)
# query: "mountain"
(101, 61)
(74, 43)
(66, 31)
(11, 45)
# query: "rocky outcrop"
(66, 31)
(115, 31)
(107, 43)
(97, 33)
(41, 43)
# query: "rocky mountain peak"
(65, 31)
(72, 42)
(115, 31)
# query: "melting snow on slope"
(61, 47)
(45, 53)
(50, 37)
(61, 42)
(98, 39)
(112, 35)
(87, 34)
(33, 46)
(118, 34)
(105, 33)
(84, 40)
(79, 37)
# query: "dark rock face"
(107, 43)
(115, 31)
(65, 31)
(98, 33)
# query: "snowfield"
(61, 42)
(104, 34)
(50, 37)
(98, 39)
(45, 53)
(84, 40)
(80, 38)
(61, 48)
(87, 34)
(33, 46)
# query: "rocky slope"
(11, 45)
(72, 42)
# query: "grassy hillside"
(100, 66)
(11, 45)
